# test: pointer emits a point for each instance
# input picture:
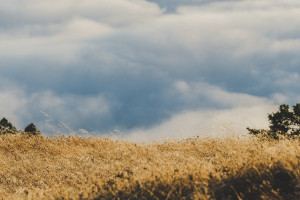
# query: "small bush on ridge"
(6, 127)
(284, 123)
(31, 130)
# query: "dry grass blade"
(98, 168)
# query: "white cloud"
(244, 111)
(207, 123)
(81, 28)
(182, 86)
(60, 29)
(73, 110)
(228, 30)
(200, 90)
(117, 12)
(21, 108)
(13, 104)
(233, 29)
(54, 41)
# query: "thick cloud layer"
(171, 5)
(143, 66)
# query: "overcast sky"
(156, 68)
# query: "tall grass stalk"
(71, 167)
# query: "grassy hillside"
(95, 168)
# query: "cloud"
(118, 12)
(171, 5)
(12, 105)
(206, 123)
(132, 65)
(59, 29)
(50, 111)
(60, 42)
(73, 110)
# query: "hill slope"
(99, 168)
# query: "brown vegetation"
(98, 168)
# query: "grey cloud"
(171, 5)
(107, 70)
(118, 12)
(246, 111)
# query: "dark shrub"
(32, 130)
(6, 127)
(284, 122)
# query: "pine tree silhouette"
(32, 130)
(6, 127)
(284, 122)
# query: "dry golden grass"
(99, 168)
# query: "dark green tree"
(31, 130)
(283, 122)
(296, 120)
(6, 127)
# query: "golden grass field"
(71, 167)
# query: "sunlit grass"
(98, 168)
